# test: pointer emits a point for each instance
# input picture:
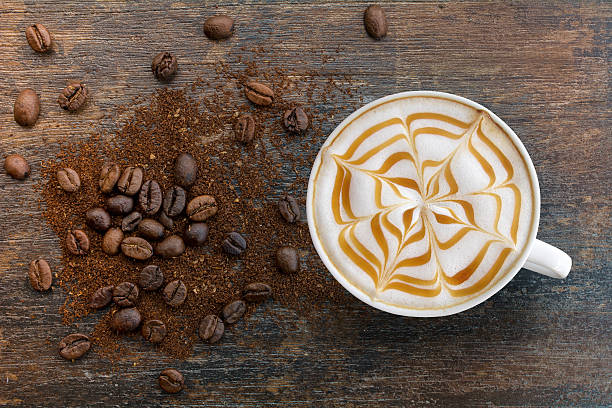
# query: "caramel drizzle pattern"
(387, 273)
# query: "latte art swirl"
(422, 202)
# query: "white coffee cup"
(536, 255)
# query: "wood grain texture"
(543, 68)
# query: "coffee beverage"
(73, 97)
(171, 381)
(259, 94)
(421, 201)
(27, 107)
(68, 179)
(16, 166)
(111, 242)
(185, 170)
(40, 275)
(74, 346)
(295, 120)
(38, 38)
(101, 297)
(218, 27)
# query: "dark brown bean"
(175, 293)
(150, 197)
(111, 242)
(295, 120)
(151, 278)
(234, 311)
(195, 234)
(166, 221)
(74, 346)
(130, 181)
(26, 108)
(77, 242)
(201, 208)
(288, 260)
(234, 244)
(40, 275)
(256, 292)
(101, 297)
(375, 22)
(98, 219)
(211, 329)
(218, 27)
(171, 381)
(38, 38)
(258, 93)
(164, 66)
(170, 247)
(153, 331)
(125, 294)
(245, 129)
(73, 97)
(130, 222)
(136, 248)
(185, 170)
(16, 166)
(109, 175)
(151, 229)
(289, 208)
(174, 201)
(126, 320)
(119, 205)
(68, 179)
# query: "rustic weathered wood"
(544, 68)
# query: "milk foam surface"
(422, 202)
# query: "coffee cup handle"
(548, 260)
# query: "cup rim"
(404, 311)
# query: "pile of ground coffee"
(246, 180)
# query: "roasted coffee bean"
(150, 197)
(154, 331)
(101, 297)
(26, 108)
(77, 242)
(166, 221)
(73, 97)
(164, 66)
(175, 293)
(245, 129)
(130, 181)
(196, 234)
(38, 37)
(171, 381)
(109, 175)
(211, 329)
(201, 208)
(119, 204)
(218, 27)
(151, 229)
(375, 22)
(16, 166)
(258, 93)
(130, 222)
(174, 201)
(151, 278)
(126, 320)
(111, 242)
(289, 208)
(170, 247)
(295, 120)
(136, 248)
(288, 260)
(185, 170)
(40, 275)
(234, 244)
(68, 179)
(256, 292)
(98, 219)
(125, 294)
(74, 346)
(234, 311)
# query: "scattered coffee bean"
(375, 22)
(295, 120)
(234, 244)
(288, 260)
(40, 275)
(111, 242)
(130, 181)
(151, 278)
(258, 93)
(170, 247)
(218, 27)
(125, 294)
(98, 219)
(119, 205)
(175, 293)
(68, 179)
(154, 331)
(130, 222)
(201, 208)
(16, 166)
(126, 320)
(74, 346)
(73, 97)
(211, 329)
(185, 170)
(174, 201)
(196, 234)
(109, 175)
(151, 229)
(38, 37)
(234, 311)
(166, 221)
(150, 197)
(171, 381)
(26, 108)
(136, 248)
(164, 66)
(77, 242)
(101, 297)
(245, 129)
(256, 292)
(289, 208)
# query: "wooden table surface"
(543, 68)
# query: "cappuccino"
(421, 202)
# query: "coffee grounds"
(246, 181)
